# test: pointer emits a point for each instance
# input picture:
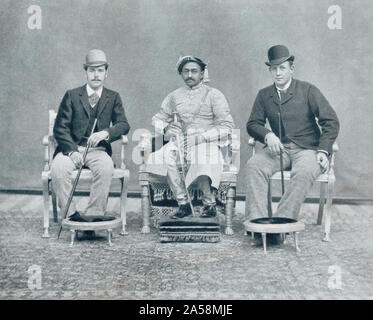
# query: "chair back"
(52, 141)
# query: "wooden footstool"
(75, 226)
(277, 225)
(189, 229)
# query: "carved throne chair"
(157, 200)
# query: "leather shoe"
(99, 218)
(77, 217)
(184, 211)
(209, 211)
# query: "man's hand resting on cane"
(273, 143)
(97, 137)
(173, 130)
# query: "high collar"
(196, 87)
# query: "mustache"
(189, 79)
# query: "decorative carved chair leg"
(73, 234)
(264, 240)
(109, 234)
(296, 241)
(145, 209)
(322, 202)
(45, 207)
(123, 204)
(229, 206)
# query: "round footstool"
(75, 226)
(278, 225)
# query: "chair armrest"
(331, 162)
(49, 144)
(145, 146)
(251, 141)
(124, 142)
(45, 143)
(335, 147)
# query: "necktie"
(93, 99)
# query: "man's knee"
(308, 169)
(61, 167)
(306, 172)
(104, 168)
(255, 166)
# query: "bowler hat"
(278, 54)
(184, 60)
(95, 58)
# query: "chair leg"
(46, 206)
(269, 198)
(123, 204)
(229, 206)
(54, 203)
(328, 211)
(145, 208)
(321, 204)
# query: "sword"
(76, 180)
(181, 156)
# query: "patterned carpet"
(138, 266)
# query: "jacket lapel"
(102, 102)
(84, 100)
(274, 95)
(289, 93)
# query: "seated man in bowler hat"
(306, 148)
(203, 118)
(72, 129)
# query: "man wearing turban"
(203, 120)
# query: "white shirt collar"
(283, 89)
(90, 91)
(286, 86)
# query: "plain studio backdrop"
(143, 40)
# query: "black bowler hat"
(278, 54)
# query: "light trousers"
(175, 180)
(259, 169)
(102, 167)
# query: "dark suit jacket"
(73, 118)
(302, 104)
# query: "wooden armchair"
(326, 181)
(152, 205)
(120, 173)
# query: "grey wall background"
(143, 40)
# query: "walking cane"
(281, 159)
(181, 156)
(76, 180)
